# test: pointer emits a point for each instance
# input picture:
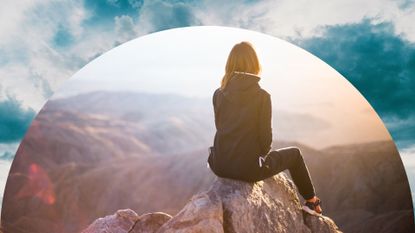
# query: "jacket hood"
(241, 86)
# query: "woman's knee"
(296, 153)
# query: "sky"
(191, 64)
(371, 43)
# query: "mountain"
(88, 156)
(165, 123)
(369, 182)
(362, 185)
(348, 187)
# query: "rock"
(320, 224)
(127, 220)
(204, 213)
(151, 222)
(271, 205)
(121, 221)
(228, 206)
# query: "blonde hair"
(242, 58)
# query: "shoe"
(310, 207)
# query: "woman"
(243, 138)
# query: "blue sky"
(371, 43)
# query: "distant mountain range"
(163, 123)
(84, 157)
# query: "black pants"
(290, 158)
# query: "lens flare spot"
(38, 185)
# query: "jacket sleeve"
(265, 125)
(215, 107)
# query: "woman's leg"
(291, 158)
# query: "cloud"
(103, 12)
(63, 37)
(51, 40)
(402, 130)
(125, 28)
(7, 156)
(8, 149)
(25, 85)
(34, 48)
(408, 159)
(14, 120)
(157, 15)
(43, 43)
(300, 18)
(405, 4)
(378, 62)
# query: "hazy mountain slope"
(362, 185)
(166, 123)
(83, 158)
(83, 192)
(351, 194)
(366, 177)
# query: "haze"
(190, 62)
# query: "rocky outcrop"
(128, 221)
(271, 205)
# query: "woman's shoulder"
(264, 92)
(217, 91)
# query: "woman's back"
(242, 118)
(243, 130)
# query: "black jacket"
(243, 128)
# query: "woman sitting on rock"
(242, 144)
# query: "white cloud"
(20, 82)
(4, 174)
(404, 22)
(303, 17)
(408, 159)
(32, 22)
(33, 68)
(28, 29)
(8, 147)
(12, 14)
(125, 28)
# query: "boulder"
(127, 220)
(228, 206)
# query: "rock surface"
(127, 220)
(230, 206)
